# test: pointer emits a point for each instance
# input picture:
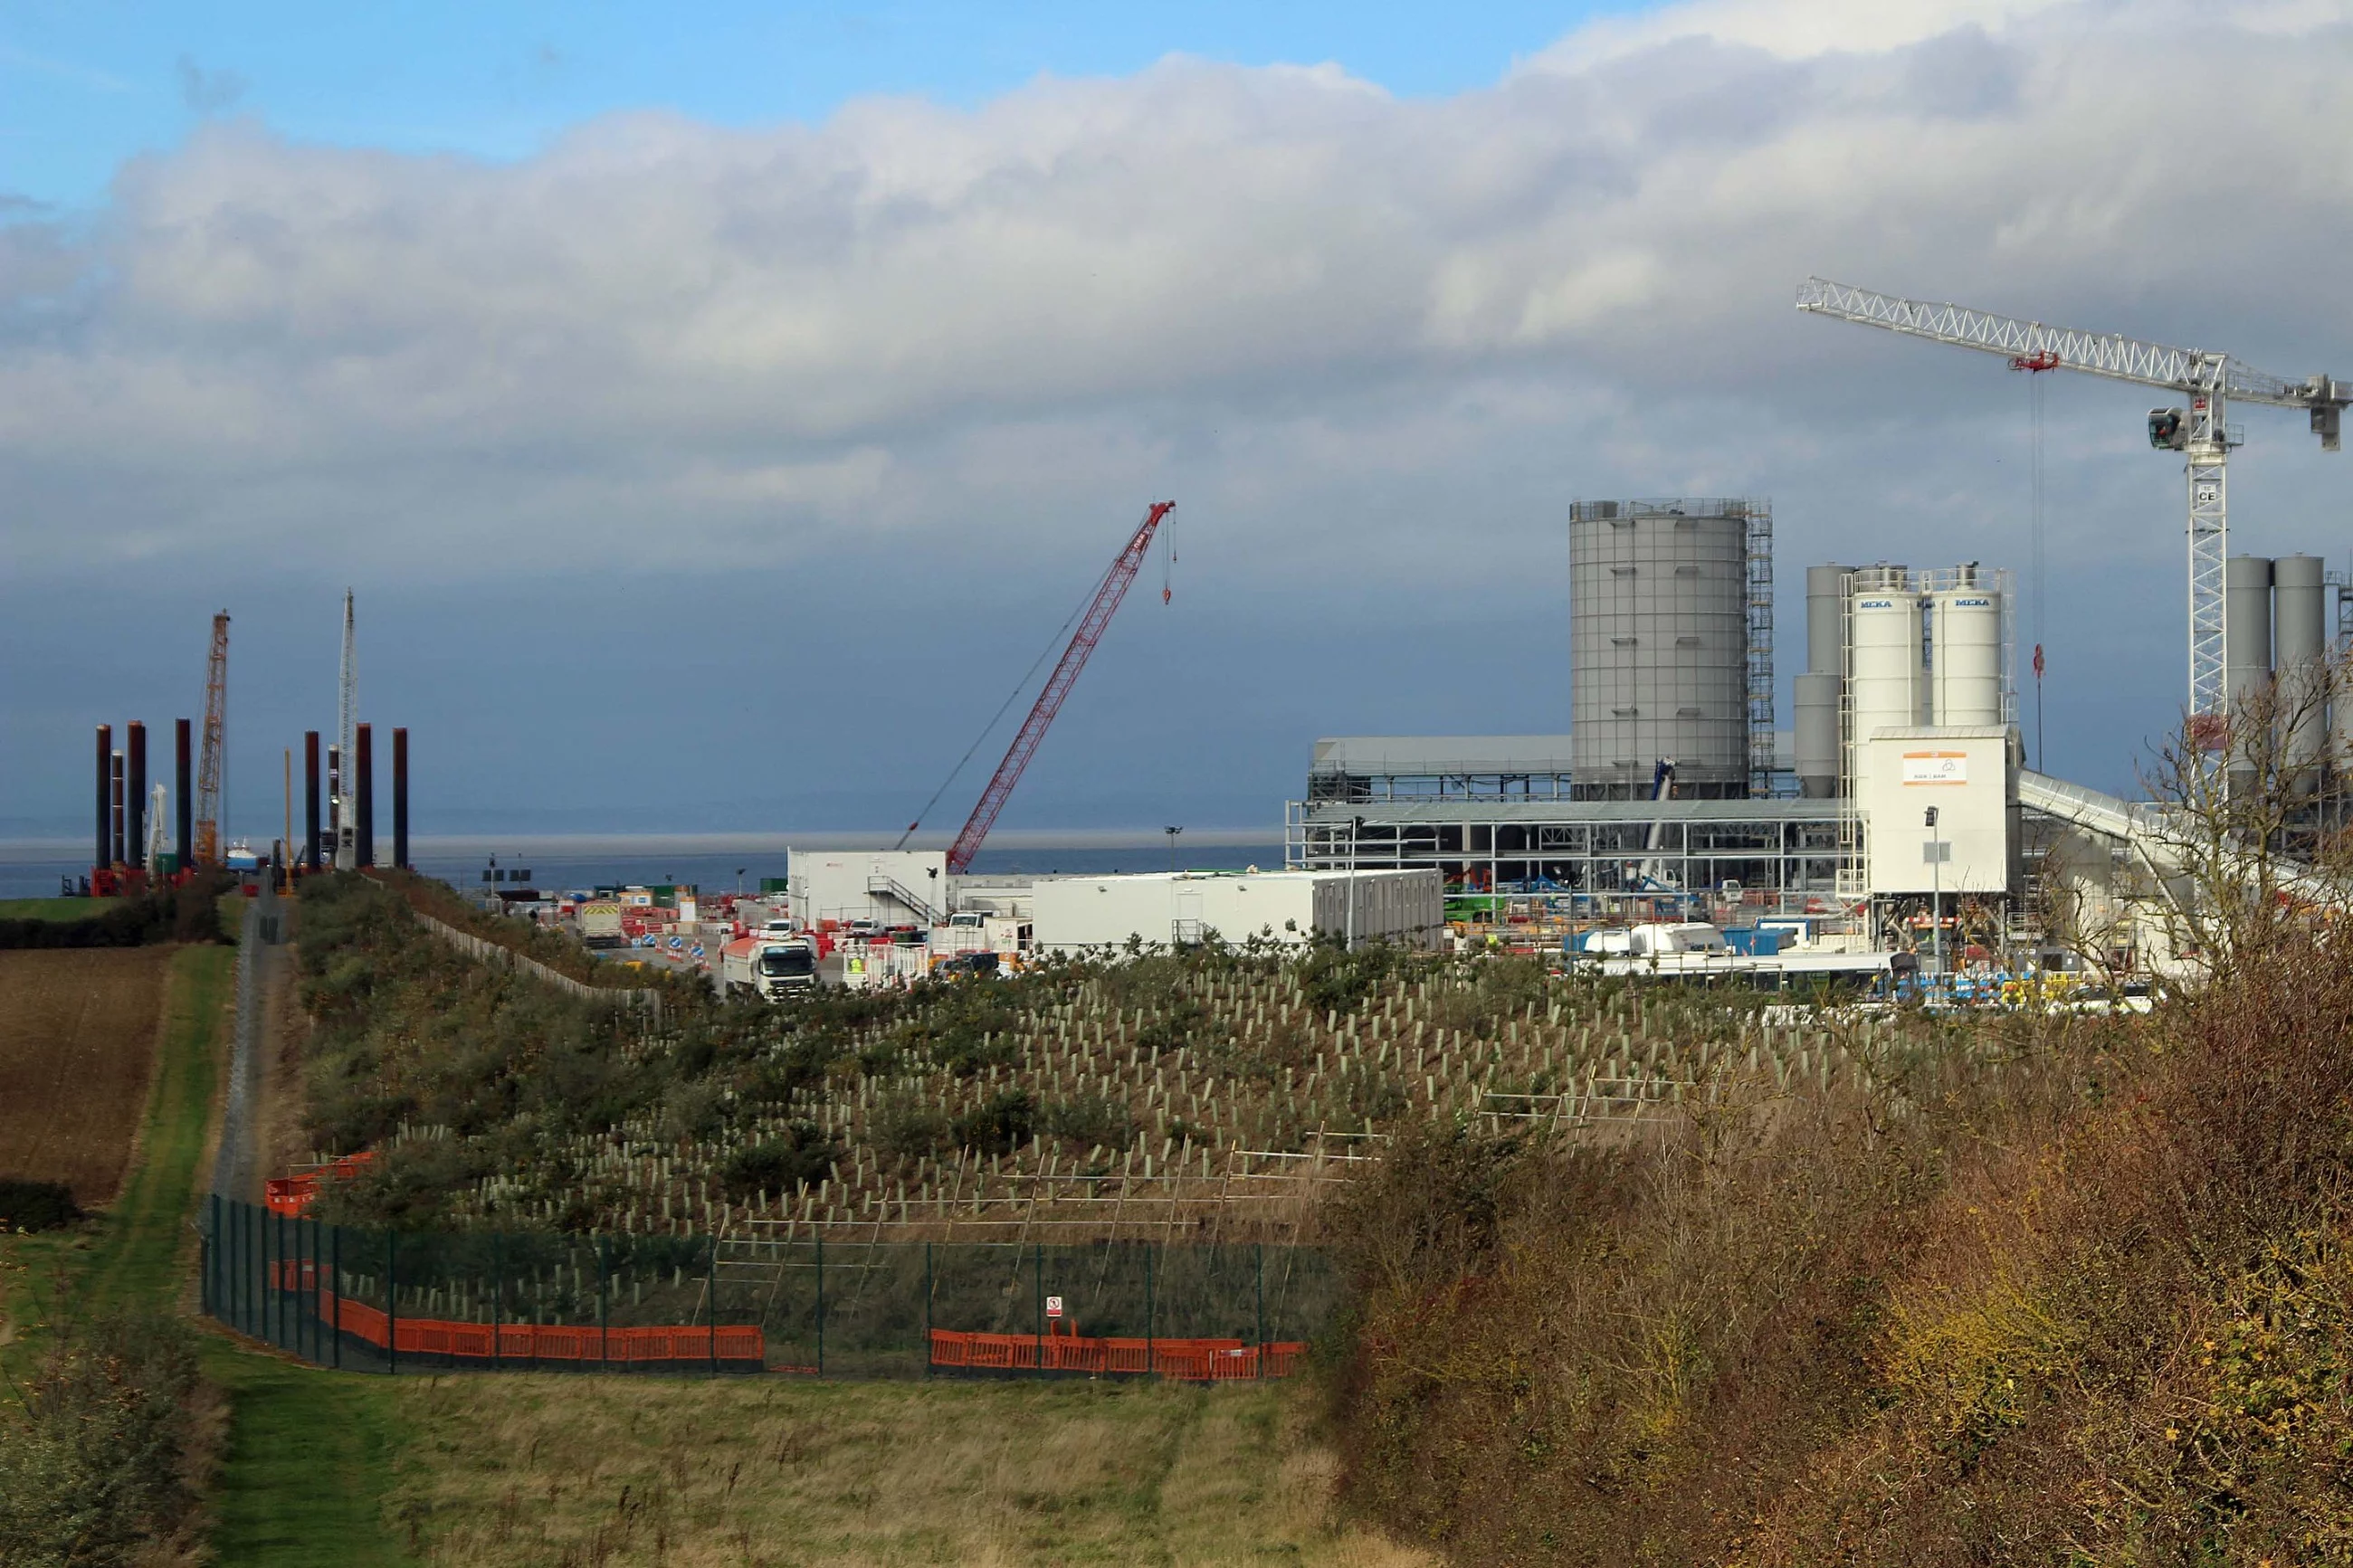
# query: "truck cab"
(767, 968)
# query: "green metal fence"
(376, 1299)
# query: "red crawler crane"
(1113, 589)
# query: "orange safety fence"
(526, 1342)
(1198, 1361)
(293, 1196)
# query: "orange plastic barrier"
(533, 1341)
(1197, 1361)
(293, 1196)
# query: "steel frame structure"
(212, 760)
(347, 716)
(2210, 380)
(1589, 857)
(1760, 648)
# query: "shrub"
(999, 1124)
(36, 1205)
(908, 1128)
(95, 1455)
(1090, 1121)
(804, 1153)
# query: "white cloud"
(1263, 285)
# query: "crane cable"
(2035, 365)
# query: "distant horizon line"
(422, 845)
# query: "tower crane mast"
(210, 761)
(2203, 434)
(1107, 597)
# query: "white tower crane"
(2210, 381)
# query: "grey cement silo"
(1657, 643)
(2300, 655)
(1816, 740)
(2247, 616)
(1825, 618)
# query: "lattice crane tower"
(2202, 433)
(347, 719)
(209, 766)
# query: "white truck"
(1654, 940)
(601, 924)
(767, 967)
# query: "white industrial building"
(1080, 915)
(1968, 776)
(889, 886)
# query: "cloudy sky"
(715, 417)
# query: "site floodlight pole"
(1936, 896)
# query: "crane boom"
(2111, 354)
(208, 766)
(2210, 380)
(1108, 595)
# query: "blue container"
(1754, 942)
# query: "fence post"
(1151, 1351)
(208, 1253)
(306, 1267)
(245, 1216)
(1259, 1362)
(604, 1360)
(1038, 1280)
(711, 1290)
(274, 1263)
(335, 1275)
(820, 1303)
(927, 1312)
(498, 1300)
(391, 1302)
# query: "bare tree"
(2245, 828)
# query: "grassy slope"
(53, 909)
(531, 1469)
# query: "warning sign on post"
(1053, 1306)
(1935, 767)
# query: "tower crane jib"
(2201, 433)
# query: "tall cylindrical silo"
(1658, 638)
(1818, 734)
(1884, 678)
(1965, 652)
(2300, 654)
(1825, 618)
(2247, 617)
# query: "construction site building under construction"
(1895, 811)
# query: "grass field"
(77, 1045)
(534, 1469)
(310, 1455)
(53, 909)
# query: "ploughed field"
(78, 1031)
